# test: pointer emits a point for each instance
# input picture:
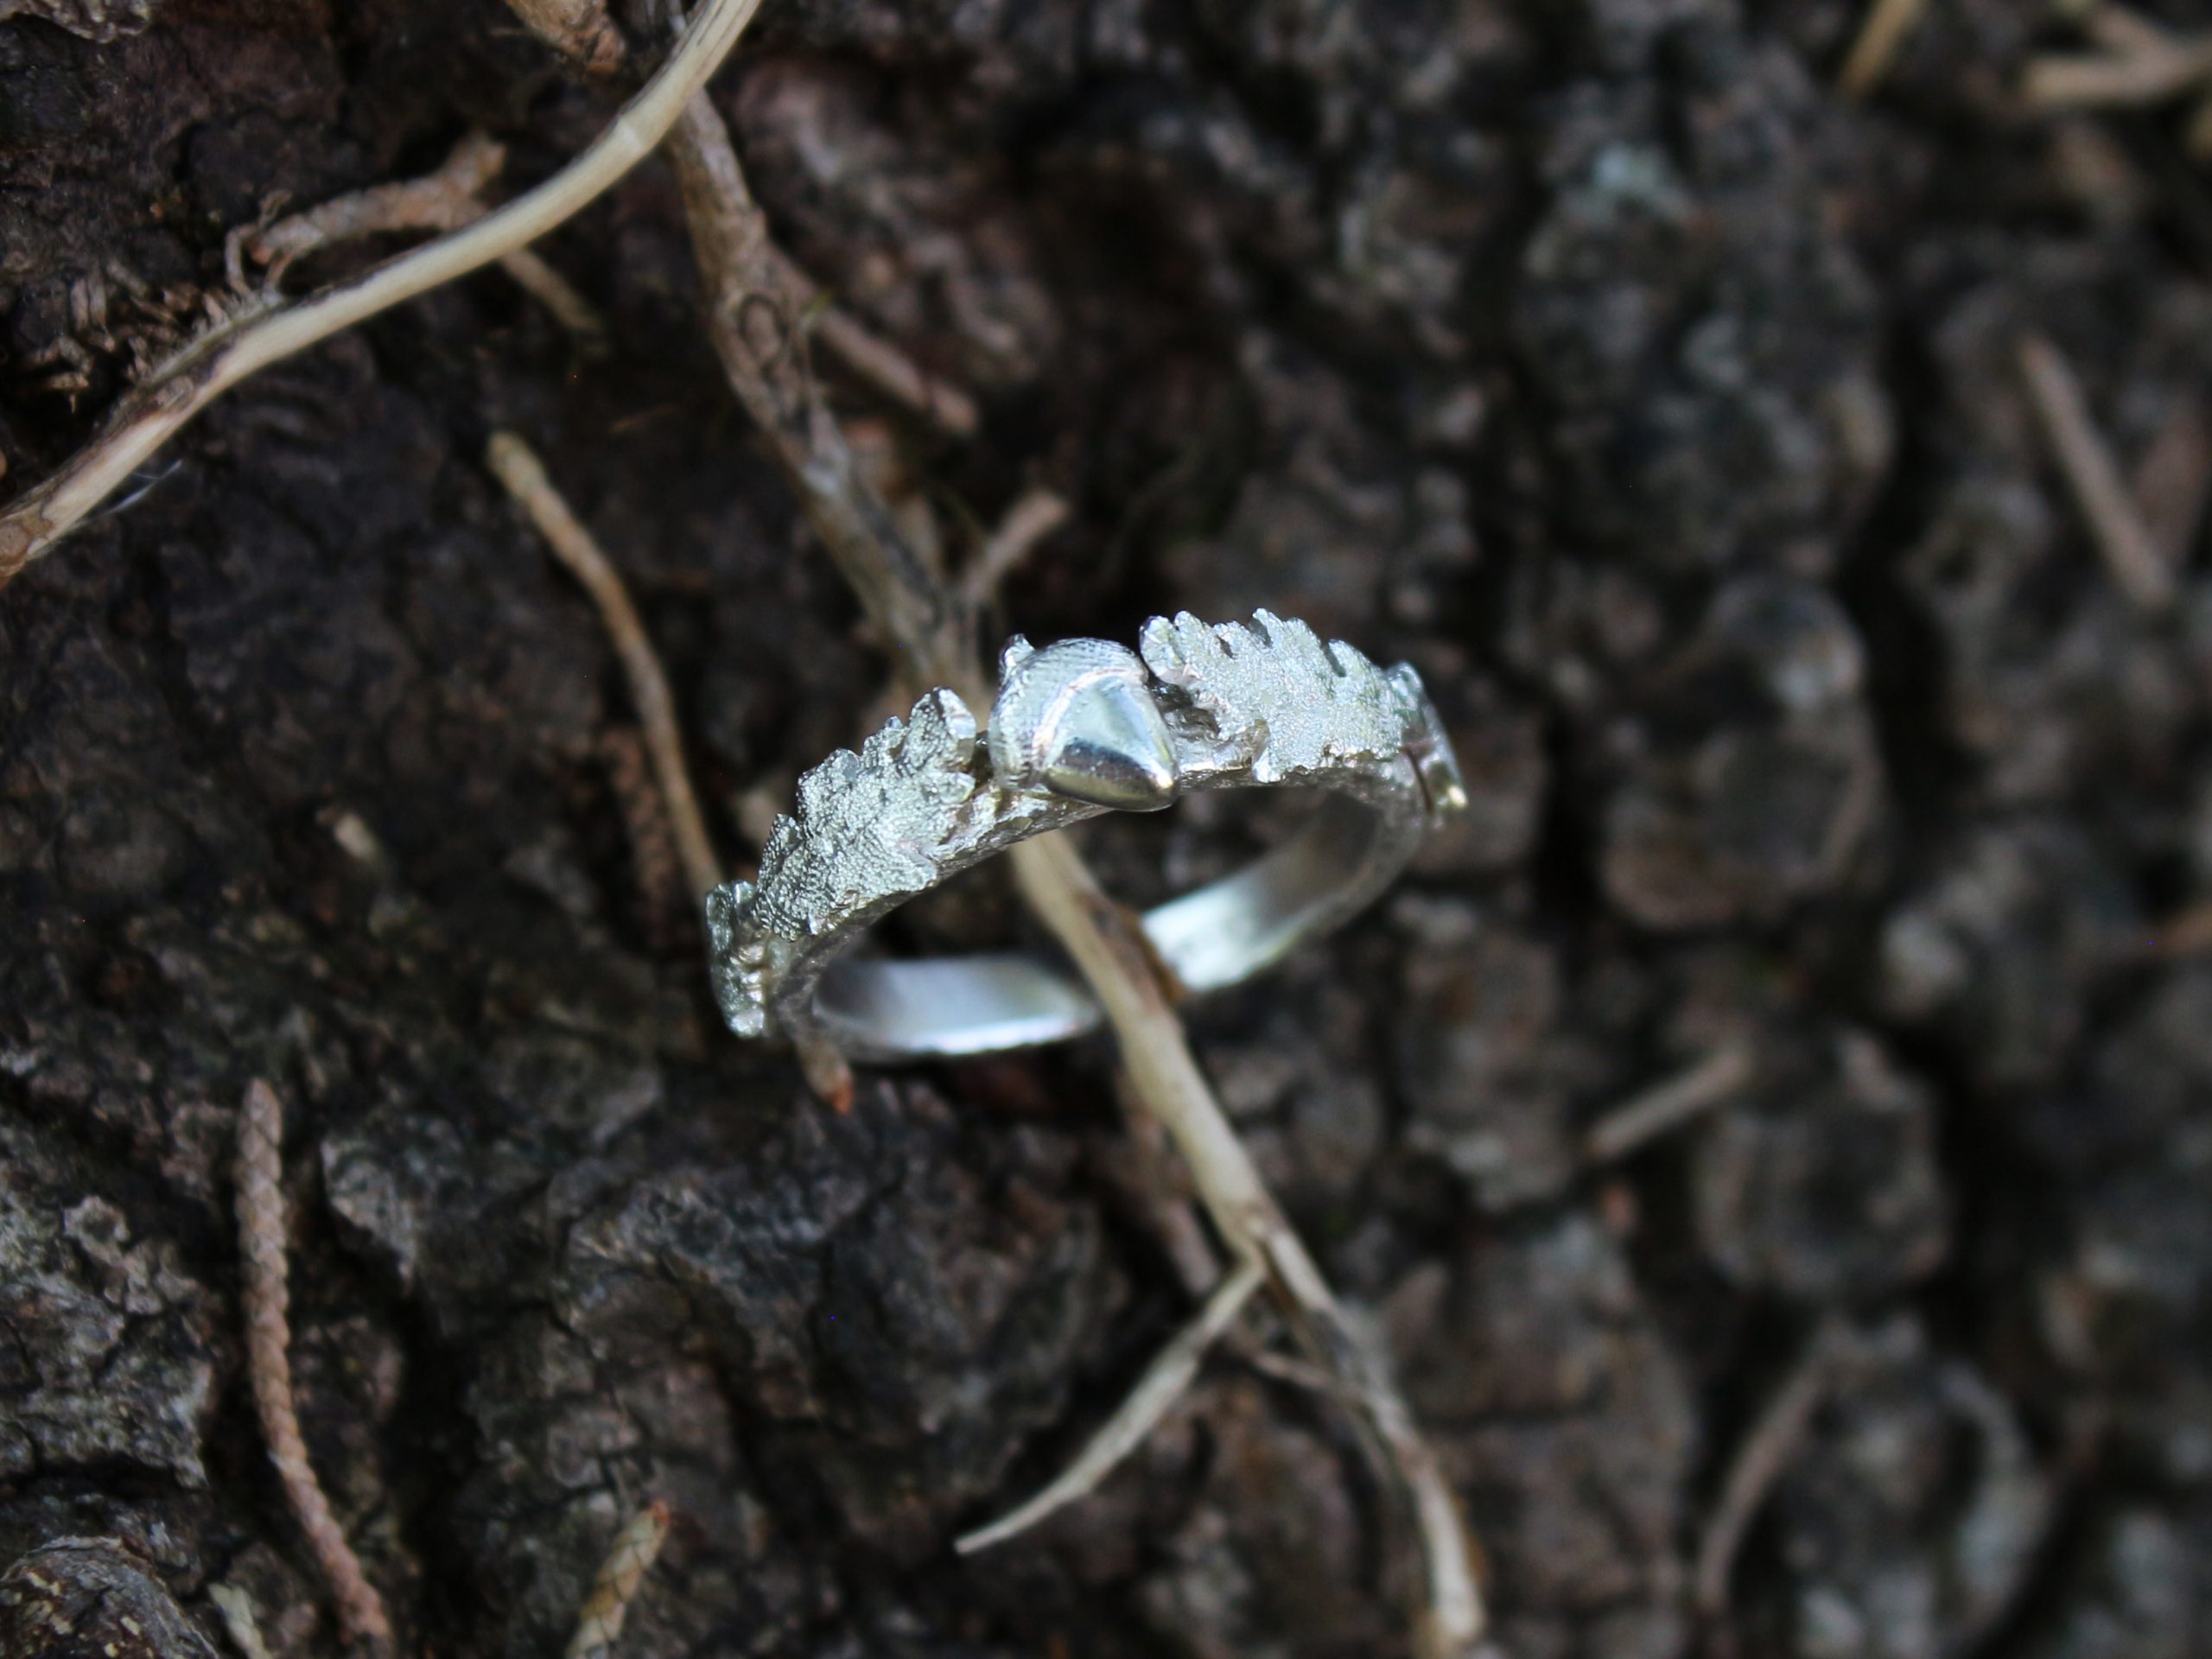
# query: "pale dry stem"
(444, 200)
(240, 1623)
(2138, 62)
(662, 885)
(1760, 1461)
(882, 364)
(1667, 1105)
(754, 321)
(269, 1365)
(579, 29)
(517, 468)
(2172, 483)
(269, 330)
(636, 1548)
(2130, 552)
(1108, 950)
(1034, 516)
(537, 278)
(1163, 1384)
(1888, 22)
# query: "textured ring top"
(1080, 728)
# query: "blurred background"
(1772, 1134)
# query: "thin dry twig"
(668, 904)
(1109, 950)
(763, 352)
(267, 329)
(1034, 515)
(572, 26)
(2116, 27)
(1162, 1384)
(2138, 62)
(269, 1365)
(2130, 553)
(440, 201)
(444, 200)
(537, 278)
(636, 1548)
(240, 1623)
(1760, 1461)
(1888, 22)
(756, 325)
(2186, 933)
(2173, 482)
(519, 469)
(879, 362)
(1667, 1105)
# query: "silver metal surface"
(1080, 728)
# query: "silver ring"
(1080, 728)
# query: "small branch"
(1162, 1384)
(2173, 482)
(520, 470)
(2118, 529)
(2115, 28)
(670, 906)
(1109, 950)
(755, 327)
(537, 278)
(882, 364)
(271, 330)
(1888, 22)
(1036, 515)
(2139, 63)
(1668, 1106)
(2107, 80)
(239, 1621)
(636, 1548)
(1760, 1462)
(442, 200)
(269, 1366)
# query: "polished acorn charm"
(1079, 719)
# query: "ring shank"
(1218, 935)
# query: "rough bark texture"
(1662, 407)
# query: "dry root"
(269, 1365)
(636, 1548)
(2131, 553)
(1888, 22)
(517, 468)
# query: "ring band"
(1079, 728)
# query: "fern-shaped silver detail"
(1273, 691)
(870, 828)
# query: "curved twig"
(269, 1364)
(1161, 1385)
(520, 470)
(636, 1548)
